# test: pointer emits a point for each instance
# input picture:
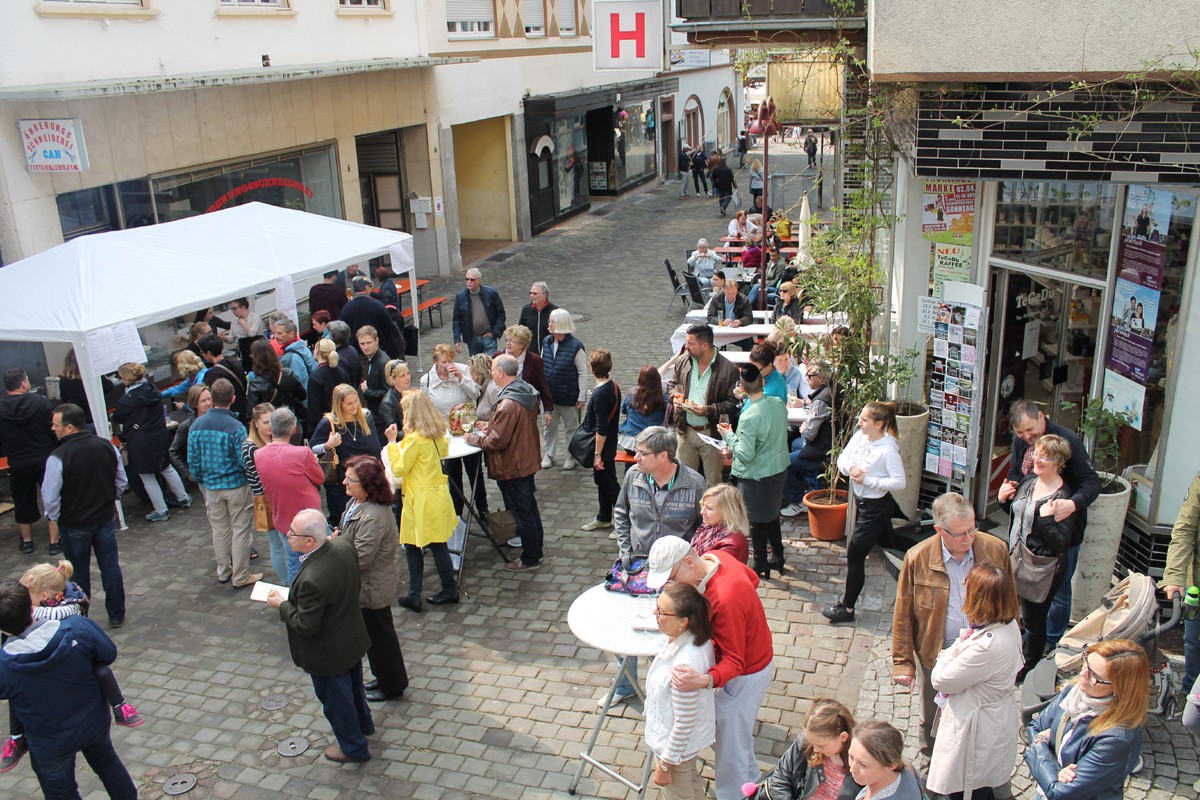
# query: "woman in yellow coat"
(428, 517)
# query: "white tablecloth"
(615, 622)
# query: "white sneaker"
(613, 535)
(515, 542)
(546, 462)
(570, 464)
(793, 510)
(595, 525)
(618, 698)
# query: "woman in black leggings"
(872, 462)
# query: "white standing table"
(623, 625)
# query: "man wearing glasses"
(478, 316)
(536, 313)
(326, 632)
(928, 614)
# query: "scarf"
(1076, 704)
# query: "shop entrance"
(1043, 348)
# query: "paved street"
(502, 694)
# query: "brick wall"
(1014, 131)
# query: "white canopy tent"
(158, 272)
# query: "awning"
(565, 104)
(205, 80)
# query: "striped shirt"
(957, 571)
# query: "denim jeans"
(284, 560)
(345, 704)
(625, 687)
(519, 497)
(756, 291)
(1060, 609)
(78, 544)
(804, 474)
(482, 344)
(56, 774)
(725, 200)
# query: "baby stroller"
(1128, 611)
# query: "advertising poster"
(955, 404)
(1122, 394)
(950, 263)
(1141, 265)
(949, 212)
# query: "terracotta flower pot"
(827, 520)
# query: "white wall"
(974, 40)
(190, 36)
(706, 85)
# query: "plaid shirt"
(215, 450)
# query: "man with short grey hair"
(295, 355)
(535, 315)
(703, 262)
(478, 316)
(928, 614)
(291, 479)
(513, 448)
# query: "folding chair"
(678, 290)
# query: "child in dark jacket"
(54, 597)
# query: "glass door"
(1043, 349)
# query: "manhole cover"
(292, 746)
(179, 784)
(274, 702)
(581, 317)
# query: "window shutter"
(534, 16)
(469, 11)
(566, 16)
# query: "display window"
(1063, 225)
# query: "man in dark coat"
(212, 350)
(535, 315)
(723, 184)
(1028, 425)
(478, 318)
(327, 296)
(366, 310)
(326, 632)
(26, 440)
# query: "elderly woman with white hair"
(565, 362)
(703, 262)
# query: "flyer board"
(955, 389)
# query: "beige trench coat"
(976, 743)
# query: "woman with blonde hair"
(1090, 736)
(450, 384)
(284, 560)
(872, 462)
(428, 518)
(815, 764)
(756, 180)
(321, 382)
(191, 372)
(480, 365)
(724, 523)
(399, 379)
(143, 423)
(347, 430)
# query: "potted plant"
(1099, 427)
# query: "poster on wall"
(950, 263)
(1140, 268)
(955, 401)
(1124, 395)
(948, 214)
(597, 175)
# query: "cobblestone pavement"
(502, 694)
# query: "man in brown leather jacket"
(929, 597)
(706, 379)
(513, 448)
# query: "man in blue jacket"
(478, 316)
(47, 674)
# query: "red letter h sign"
(637, 35)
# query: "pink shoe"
(10, 754)
(127, 715)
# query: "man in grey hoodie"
(513, 449)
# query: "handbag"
(262, 513)
(632, 581)
(502, 524)
(582, 444)
(329, 465)
(1033, 573)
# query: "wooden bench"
(430, 305)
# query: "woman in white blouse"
(449, 384)
(680, 724)
(872, 462)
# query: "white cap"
(664, 555)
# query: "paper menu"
(109, 348)
(261, 589)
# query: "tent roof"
(158, 272)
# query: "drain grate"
(498, 257)
(292, 746)
(603, 212)
(274, 702)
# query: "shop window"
(470, 19)
(566, 17)
(1144, 321)
(633, 143)
(571, 154)
(1060, 224)
(533, 14)
(105, 208)
(304, 181)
